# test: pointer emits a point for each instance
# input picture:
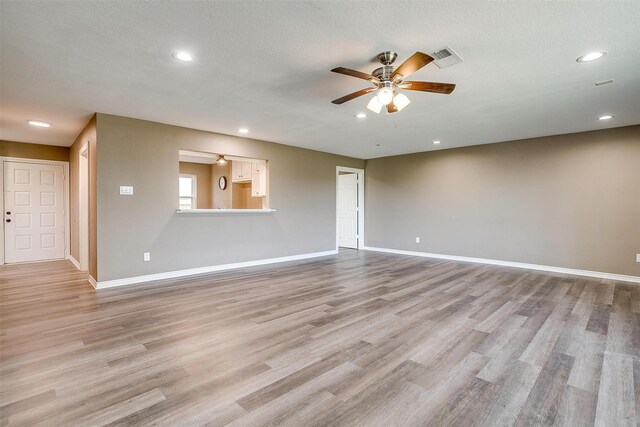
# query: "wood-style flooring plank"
(360, 338)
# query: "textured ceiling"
(265, 65)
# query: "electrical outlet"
(147, 256)
(126, 190)
(417, 240)
(637, 257)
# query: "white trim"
(66, 189)
(222, 211)
(75, 262)
(208, 269)
(83, 207)
(2, 244)
(575, 272)
(360, 173)
(92, 281)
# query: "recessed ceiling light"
(604, 82)
(592, 56)
(436, 142)
(39, 124)
(243, 130)
(605, 117)
(183, 56)
(361, 115)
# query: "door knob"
(8, 220)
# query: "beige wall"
(221, 198)
(203, 182)
(144, 154)
(87, 136)
(33, 151)
(569, 200)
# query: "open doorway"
(349, 207)
(83, 208)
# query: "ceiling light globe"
(385, 95)
(374, 105)
(401, 101)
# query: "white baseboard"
(74, 262)
(596, 274)
(201, 270)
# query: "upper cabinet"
(241, 171)
(253, 171)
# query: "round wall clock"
(222, 182)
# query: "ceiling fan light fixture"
(401, 101)
(221, 161)
(385, 95)
(374, 105)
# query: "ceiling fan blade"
(353, 73)
(413, 64)
(445, 88)
(391, 108)
(353, 95)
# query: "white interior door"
(34, 228)
(348, 210)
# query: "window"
(187, 192)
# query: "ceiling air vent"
(445, 57)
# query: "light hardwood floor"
(361, 338)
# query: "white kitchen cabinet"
(254, 172)
(240, 171)
(259, 182)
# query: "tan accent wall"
(221, 198)
(203, 183)
(87, 136)
(242, 198)
(568, 201)
(33, 151)
(302, 187)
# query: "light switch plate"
(637, 257)
(126, 190)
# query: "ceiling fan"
(386, 80)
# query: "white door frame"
(65, 186)
(83, 208)
(360, 173)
